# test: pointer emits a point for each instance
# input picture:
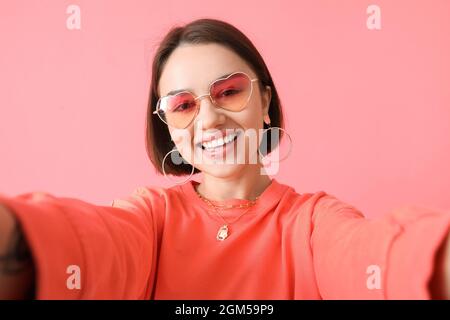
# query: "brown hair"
(202, 31)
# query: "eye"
(229, 92)
(182, 107)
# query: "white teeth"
(219, 142)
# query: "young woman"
(237, 234)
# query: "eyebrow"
(182, 90)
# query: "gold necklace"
(223, 231)
(226, 207)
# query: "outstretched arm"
(77, 250)
(402, 255)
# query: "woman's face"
(193, 68)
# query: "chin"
(223, 170)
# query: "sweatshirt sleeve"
(86, 251)
(391, 257)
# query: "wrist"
(16, 263)
(7, 222)
(440, 280)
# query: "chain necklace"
(223, 231)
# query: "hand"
(16, 265)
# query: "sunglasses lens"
(178, 110)
(232, 93)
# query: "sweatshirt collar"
(269, 197)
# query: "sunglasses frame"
(206, 95)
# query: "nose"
(209, 115)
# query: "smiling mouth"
(218, 144)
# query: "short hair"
(202, 31)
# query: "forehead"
(194, 67)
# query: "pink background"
(369, 110)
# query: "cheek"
(250, 117)
(176, 135)
(251, 120)
(182, 139)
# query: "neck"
(245, 185)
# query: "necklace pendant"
(222, 234)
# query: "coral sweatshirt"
(160, 243)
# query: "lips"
(217, 143)
(218, 139)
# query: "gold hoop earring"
(164, 170)
(267, 121)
